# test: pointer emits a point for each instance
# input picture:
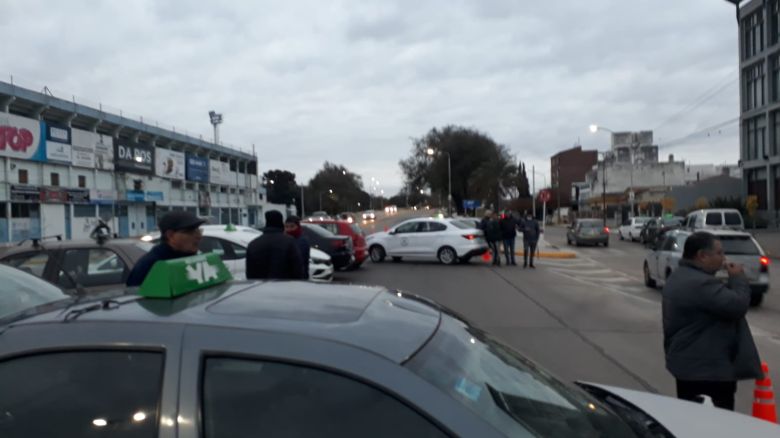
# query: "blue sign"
(154, 196)
(471, 204)
(135, 195)
(197, 169)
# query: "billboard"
(219, 173)
(57, 143)
(21, 138)
(170, 164)
(92, 150)
(133, 157)
(197, 168)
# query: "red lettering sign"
(18, 139)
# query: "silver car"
(739, 247)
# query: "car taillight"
(764, 264)
(469, 236)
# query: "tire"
(447, 255)
(397, 259)
(568, 241)
(649, 282)
(756, 299)
(377, 253)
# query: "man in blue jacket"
(530, 229)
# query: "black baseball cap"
(179, 220)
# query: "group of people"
(503, 230)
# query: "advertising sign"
(135, 195)
(92, 150)
(133, 157)
(78, 196)
(102, 196)
(21, 138)
(25, 193)
(170, 164)
(154, 196)
(197, 168)
(54, 195)
(219, 173)
(57, 143)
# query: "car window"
(640, 220)
(237, 251)
(408, 227)
(21, 291)
(333, 228)
(91, 267)
(739, 245)
(732, 218)
(590, 224)
(81, 394)
(31, 262)
(356, 229)
(508, 390)
(669, 244)
(293, 400)
(210, 244)
(436, 226)
(318, 230)
(714, 219)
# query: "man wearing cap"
(274, 255)
(180, 236)
(292, 226)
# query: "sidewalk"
(547, 250)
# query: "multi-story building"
(66, 165)
(568, 167)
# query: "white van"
(715, 218)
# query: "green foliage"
(284, 189)
(339, 189)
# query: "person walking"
(292, 227)
(274, 255)
(530, 229)
(180, 235)
(707, 339)
(509, 226)
(492, 230)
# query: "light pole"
(533, 188)
(216, 120)
(631, 152)
(303, 208)
(604, 186)
(430, 152)
(330, 192)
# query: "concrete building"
(64, 165)
(568, 167)
(699, 172)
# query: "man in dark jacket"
(292, 226)
(707, 340)
(492, 230)
(508, 225)
(530, 229)
(274, 255)
(180, 235)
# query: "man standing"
(180, 236)
(492, 230)
(530, 230)
(292, 227)
(508, 225)
(707, 340)
(274, 255)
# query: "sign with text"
(21, 138)
(92, 150)
(133, 157)
(197, 169)
(25, 193)
(170, 164)
(78, 196)
(219, 173)
(58, 143)
(54, 195)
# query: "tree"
(281, 187)
(337, 188)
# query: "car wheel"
(396, 259)
(377, 254)
(756, 299)
(576, 242)
(649, 282)
(448, 256)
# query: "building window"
(755, 134)
(775, 146)
(189, 186)
(233, 166)
(775, 30)
(176, 184)
(80, 210)
(241, 167)
(753, 34)
(757, 186)
(223, 189)
(755, 86)
(23, 178)
(25, 210)
(55, 179)
(82, 181)
(776, 78)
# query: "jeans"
(509, 250)
(528, 248)
(722, 393)
(494, 249)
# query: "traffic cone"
(486, 256)
(764, 397)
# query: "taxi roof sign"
(176, 277)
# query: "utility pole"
(604, 188)
(303, 208)
(533, 190)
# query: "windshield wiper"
(107, 304)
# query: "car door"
(94, 269)
(400, 242)
(430, 236)
(668, 257)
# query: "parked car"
(339, 248)
(353, 231)
(471, 222)
(446, 240)
(657, 226)
(289, 358)
(21, 292)
(632, 228)
(319, 215)
(715, 218)
(588, 231)
(231, 241)
(739, 247)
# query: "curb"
(551, 255)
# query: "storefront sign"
(25, 193)
(197, 169)
(53, 195)
(21, 138)
(170, 164)
(133, 157)
(135, 196)
(103, 197)
(154, 196)
(78, 196)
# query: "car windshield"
(739, 245)
(20, 292)
(319, 230)
(508, 390)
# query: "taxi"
(192, 353)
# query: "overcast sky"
(351, 81)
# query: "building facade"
(568, 167)
(66, 165)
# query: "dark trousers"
(721, 393)
(509, 250)
(528, 248)
(494, 249)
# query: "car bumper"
(474, 252)
(321, 273)
(342, 260)
(592, 239)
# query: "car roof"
(716, 232)
(68, 244)
(388, 323)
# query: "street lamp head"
(594, 128)
(343, 172)
(271, 181)
(422, 192)
(216, 118)
(430, 151)
(330, 191)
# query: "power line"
(710, 93)
(691, 136)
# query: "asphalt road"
(590, 318)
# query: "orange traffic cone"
(486, 256)
(764, 397)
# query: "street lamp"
(632, 151)
(431, 152)
(216, 119)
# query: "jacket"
(706, 335)
(530, 230)
(508, 227)
(305, 249)
(274, 255)
(161, 251)
(491, 228)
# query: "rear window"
(714, 219)
(673, 221)
(739, 245)
(356, 229)
(590, 224)
(733, 218)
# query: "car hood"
(377, 235)
(687, 419)
(316, 253)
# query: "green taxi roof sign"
(176, 277)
